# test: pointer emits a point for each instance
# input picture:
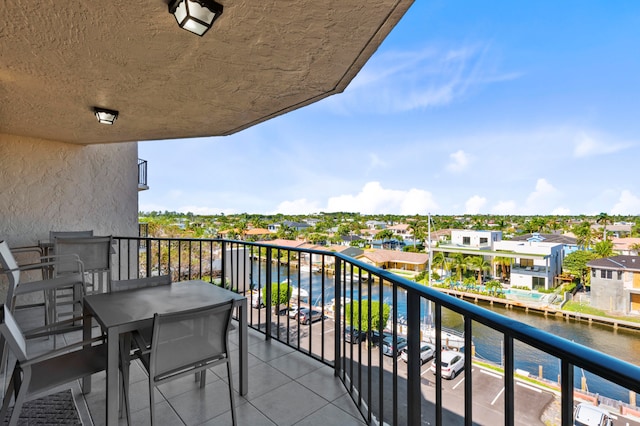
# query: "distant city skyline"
(477, 108)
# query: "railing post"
(267, 290)
(468, 390)
(414, 380)
(148, 248)
(337, 315)
(438, 357)
(566, 389)
(509, 383)
(223, 267)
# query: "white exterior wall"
(47, 185)
(554, 263)
(457, 236)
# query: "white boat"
(452, 339)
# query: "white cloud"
(459, 161)
(399, 81)
(561, 211)
(587, 145)
(544, 195)
(475, 204)
(373, 199)
(202, 210)
(628, 204)
(505, 207)
(300, 206)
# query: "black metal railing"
(142, 173)
(385, 391)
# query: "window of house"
(526, 263)
(593, 272)
(484, 240)
(619, 275)
(466, 241)
(537, 282)
(606, 274)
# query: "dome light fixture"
(196, 16)
(105, 116)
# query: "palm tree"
(603, 219)
(459, 264)
(635, 247)
(604, 248)
(504, 263)
(478, 263)
(584, 234)
(439, 261)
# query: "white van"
(590, 415)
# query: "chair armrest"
(53, 328)
(50, 284)
(56, 352)
(27, 249)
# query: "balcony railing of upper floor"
(384, 390)
(142, 175)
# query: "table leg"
(112, 376)
(244, 351)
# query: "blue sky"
(490, 107)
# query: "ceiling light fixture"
(105, 116)
(196, 16)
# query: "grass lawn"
(586, 309)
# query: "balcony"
(142, 175)
(308, 374)
(285, 387)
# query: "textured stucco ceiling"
(261, 59)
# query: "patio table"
(125, 311)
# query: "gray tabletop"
(128, 308)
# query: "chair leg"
(9, 393)
(21, 391)
(231, 396)
(152, 403)
(125, 365)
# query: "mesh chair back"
(12, 334)
(95, 254)
(122, 285)
(188, 340)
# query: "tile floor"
(286, 387)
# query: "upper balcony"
(316, 371)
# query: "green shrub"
(280, 297)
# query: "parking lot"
(488, 386)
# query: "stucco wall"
(47, 185)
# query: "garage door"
(635, 302)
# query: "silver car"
(452, 363)
(427, 351)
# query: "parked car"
(307, 316)
(452, 363)
(293, 311)
(391, 349)
(353, 335)
(256, 300)
(374, 336)
(427, 351)
(590, 415)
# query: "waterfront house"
(394, 259)
(615, 284)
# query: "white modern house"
(536, 264)
(481, 240)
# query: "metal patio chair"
(188, 342)
(33, 377)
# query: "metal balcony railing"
(142, 175)
(384, 391)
